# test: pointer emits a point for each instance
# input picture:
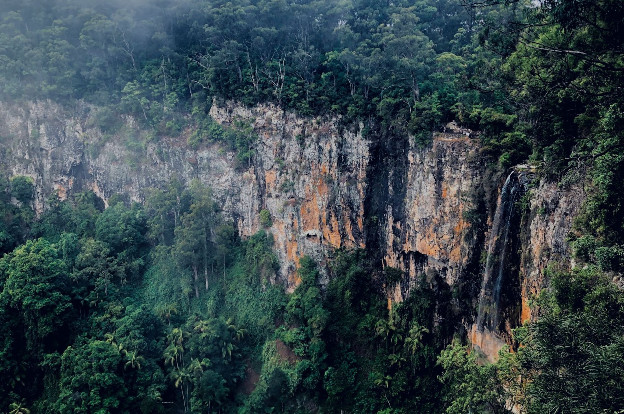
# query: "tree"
(98, 269)
(92, 378)
(194, 247)
(469, 386)
(123, 230)
(17, 408)
(37, 286)
(570, 358)
(22, 188)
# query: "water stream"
(496, 265)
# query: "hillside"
(263, 206)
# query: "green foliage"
(22, 188)
(265, 218)
(570, 360)
(123, 230)
(360, 59)
(36, 286)
(77, 216)
(469, 386)
(239, 137)
(14, 220)
(126, 308)
(107, 120)
(534, 80)
(91, 379)
(97, 339)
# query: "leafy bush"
(22, 188)
(265, 218)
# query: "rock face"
(310, 175)
(325, 185)
(429, 233)
(547, 225)
(535, 238)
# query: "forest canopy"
(162, 307)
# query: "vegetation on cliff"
(163, 308)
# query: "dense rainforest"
(163, 307)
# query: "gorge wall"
(427, 211)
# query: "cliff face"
(527, 234)
(310, 175)
(548, 222)
(325, 186)
(429, 233)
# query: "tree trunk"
(206, 259)
(196, 276)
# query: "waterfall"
(498, 245)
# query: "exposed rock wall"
(310, 175)
(547, 225)
(430, 234)
(325, 185)
(548, 211)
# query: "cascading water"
(499, 249)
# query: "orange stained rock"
(473, 336)
(269, 179)
(292, 251)
(427, 244)
(309, 213)
(281, 232)
(61, 192)
(313, 218)
(487, 342)
(455, 254)
(360, 223)
(331, 233)
(461, 225)
(525, 314)
(407, 246)
(295, 278)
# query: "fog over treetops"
(164, 307)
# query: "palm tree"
(414, 337)
(17, 408)
(173, 355)
(167, 311)
(110, 338)
(237, 332)
(133, 359)
(226, 349)
(180, 379)
(204, 328)
(176, 336)
(196, 367)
